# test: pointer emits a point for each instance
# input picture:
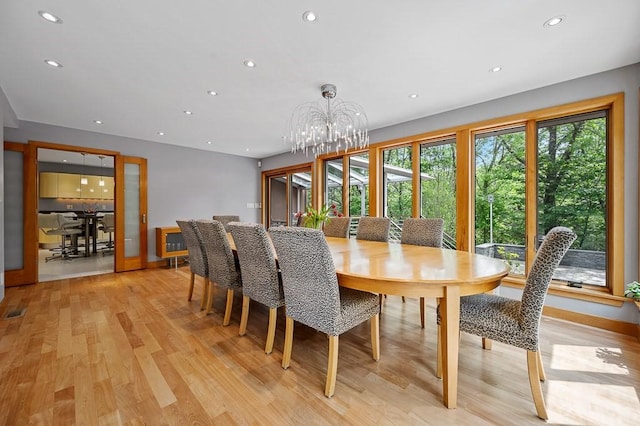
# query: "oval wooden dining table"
(417, 271)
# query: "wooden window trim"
(614, 103)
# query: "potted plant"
(313, 218)
(633, 291)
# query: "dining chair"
(517, 322)
(108, 225)
(422, 232)
(57, 224)
(337, 227)
(260, 276)
(225, 220)
(198, 263)
(373, 228)
(224, 269)
(314, 298)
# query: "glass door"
(20, 257)
(131, 213)
(287, 194)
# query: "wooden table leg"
(450, 321)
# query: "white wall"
(626, 79)
(183, 183)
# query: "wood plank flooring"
(129, 349)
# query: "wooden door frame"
(123, 263)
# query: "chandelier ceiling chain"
(319, 129)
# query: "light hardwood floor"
(129, 349)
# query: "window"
(359, 185)
(333, 183)
(397, 183)
(572, 191)
(299, 194)
(438, 185)
(287, 192)
(502, 184)
(500, 196)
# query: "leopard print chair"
(260, 276)
(224, 269)
(225, 220)
(373, 228)
(516, 322)
(313, 297)
(422, 232)
(197, 257)
(337, 227)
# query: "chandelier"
(322, 127)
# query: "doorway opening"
(76, 215)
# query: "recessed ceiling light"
(98, 121)
(495, 69)
(160, 133)
(209, 142)
(413, 96)
(554, 21)
(249, 63)
(212, 92)
(247, 149)
(53, 63)
(309, 16)
(50, 17)
(64, 161)
(188, 112)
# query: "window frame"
(613, 293)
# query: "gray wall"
(183, 183)
(626, 79)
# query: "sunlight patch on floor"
(602, 402)
(593, 359)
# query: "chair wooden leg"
(439, 353)
(486, 343)
(403, 299)
(271, 331)
(192, 281)
(227, 310)
(543, 376)
(245, 315)
(375, 337)
(332, 367)
(288, 343)
(536, 387)
(209, 291)
(205, 295)
(422, 312)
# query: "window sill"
(589, 294)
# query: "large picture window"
(572, 191)
(438, 185)
(500, 185)
(500, 196)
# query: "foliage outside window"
(528, 172)
(397, 183)
(572, 191)
(500, 196)
(438, 184)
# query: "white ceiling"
(137, 65)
